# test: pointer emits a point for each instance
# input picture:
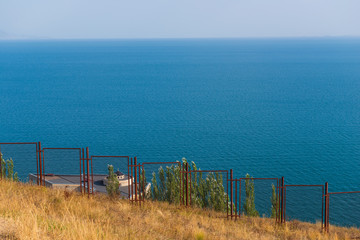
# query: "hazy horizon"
(161, 19)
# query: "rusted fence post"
(231, 193)
(139, 173)
(83, 172)
(187, 184)
(181, 183)
(190, 188)
(143, 183)
(326, 222)
(37, 163)
(2, 171)
(184, 184)
(1, 176)
(87, 174)
(277, 201)
(236, 200)
(239, 197)
(135, 179)
(40, 165)
(282, 200)
(80, 173)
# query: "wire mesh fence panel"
(162, 181)
(61, 161)
(99, 172)
(61, 168)
(344, 209)
(209, 189)
(256, 197)
(24, 157)
(304, 203)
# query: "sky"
(113, 19)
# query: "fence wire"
(344, 209)
(262, 196)
(24, 157)
(304, 203)
(61, 161)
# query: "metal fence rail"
(237, 184)
(328, 195)
(61, 156)
(23, 153)
(307, 187)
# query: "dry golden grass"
(31, 212)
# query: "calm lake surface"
(267, 107)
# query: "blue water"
(268, 107)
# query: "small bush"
(249, 205)
(274, 202)
(112, 188)
(206, 191)
(7, 170)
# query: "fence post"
(190, 188)
(240, 198)
(92, 177)
(1, 167)
(231, 193)
(139, 173)
(143, 183)
(80, 173)
(181, 184)
(135, 179)
(187, 184)
(277, 201)
(326, 220)
(84, 172)
(236, 200)
(131, 194)
(40, 165)
(87, 174)
(128, 163)
(282, 200)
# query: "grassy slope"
(31, 212)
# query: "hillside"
(31, 212)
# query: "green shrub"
(7, 170)
(249, 205)
(206, 192)
(274, 202)
(112, 188)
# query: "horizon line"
(173, 38)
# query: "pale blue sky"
(178, 18)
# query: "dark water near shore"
(271, 107)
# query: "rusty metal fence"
(63, 162)
(75, 166)
(262, 189)
(24, 154)
(338, 200)
(304, 198)
(137, 187)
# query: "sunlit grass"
(31, 212)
